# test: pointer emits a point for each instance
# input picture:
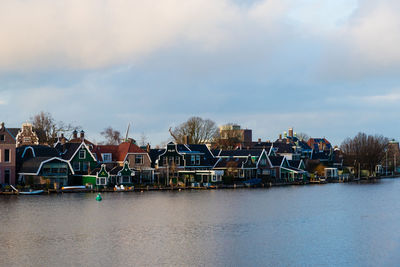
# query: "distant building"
(233, 131)
(26, 136)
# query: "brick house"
(7, 155)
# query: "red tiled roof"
(118, 152)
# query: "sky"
(326, 68)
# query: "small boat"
(75, 187)
(34, 192)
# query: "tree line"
(363, 151)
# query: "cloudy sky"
(327, 68)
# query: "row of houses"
(78, 161)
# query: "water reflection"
(334, 224)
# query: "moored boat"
(34, 192)
(75, 187)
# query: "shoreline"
(217, 187)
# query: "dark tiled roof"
(230, 163)
(215, 152)
(13, 131)
(281, 147)
(68, 150)
(240, 153)
(115, 170)
(323, 155)
(276, 160)
(294, 163)
(32, 165)
(154, 153)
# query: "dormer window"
(82, 154)
(139, 159)
(107, 157)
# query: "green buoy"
(98, 198)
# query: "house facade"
(26, 136)
(7, 156)
(42, 166)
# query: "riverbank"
(180, 188)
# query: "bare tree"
(112, 137)
(47, 129)
(195, 131)
(303, 136)
(364, 150)
(143, 139)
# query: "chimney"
(2, 126)
(75, 134)
(186, 139)
(62, 139)
(259, 140)
(290, 132)
(148, 148)
(280, 136)
(82, 135)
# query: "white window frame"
(84, 154)
(79, 166)
(177, 160)
(193, 160)
(103, 155)
(141, 159)
(197, 159)
(83, 166)
(101, 181)
(9, 155)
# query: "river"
(315, 225)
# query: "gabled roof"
(321, 155)
(13, 131)
(34, 165)
(119, 152)
(282, 147)
(68, 150)
(276, 161)
(294, 163)
(37, 151)
(240, 153)
(224, 163)
(155, 153)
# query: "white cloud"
(93, 34)
(368, 44)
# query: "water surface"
(321, 225)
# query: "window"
(77, 166)
(164, 161)
(126, 179)
(107, 157)
(177, 160)
(85, 166)
(82, 154)
(195, 160)
(7, 176)
(6, 155)
(1, 137)
(139, 159)
(27, 139)
(101, 181)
